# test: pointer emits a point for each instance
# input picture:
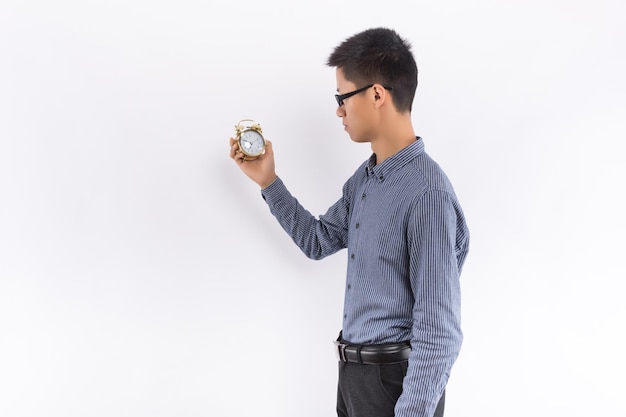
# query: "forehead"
(342, 82)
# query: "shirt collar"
(394, 162)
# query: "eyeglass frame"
(341, 97)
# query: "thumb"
(269, 149)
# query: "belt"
(386, 354)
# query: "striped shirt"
(406, 241)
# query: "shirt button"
(352, 256)
(363, 196)
(349, 286)
(345, 316)
(357, 225)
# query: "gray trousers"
(372, 390)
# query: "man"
(405, 235)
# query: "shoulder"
(431, 174)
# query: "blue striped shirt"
(406, 241)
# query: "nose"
(341, 111)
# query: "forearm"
(317, 238)
(436, 343)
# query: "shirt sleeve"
(317, 238)
(438, 242)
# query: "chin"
(357, 139)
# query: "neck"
(394, 135)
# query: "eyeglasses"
(342, 97)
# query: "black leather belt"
(386, 354)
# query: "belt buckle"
(341, 351)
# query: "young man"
(405, 235)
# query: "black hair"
(379, 55)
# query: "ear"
(380, 95)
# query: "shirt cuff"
(274, 190)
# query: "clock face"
(252, 143)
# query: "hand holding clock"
(260, 170)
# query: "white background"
(141, 273)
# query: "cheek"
(355, 119)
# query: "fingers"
(238, 156)
(235, 154)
